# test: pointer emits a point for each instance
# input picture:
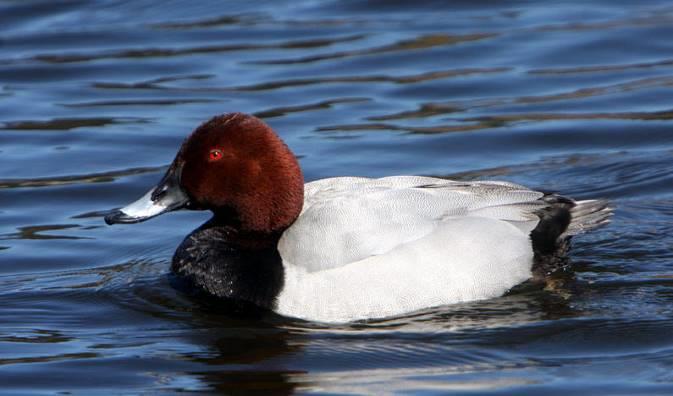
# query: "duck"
(346, 249)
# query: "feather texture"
(371, 248)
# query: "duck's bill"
(165, 197)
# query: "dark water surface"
(95, 98)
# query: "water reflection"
(243, 355)
(229, 353)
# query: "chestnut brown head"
(236, 166)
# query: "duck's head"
(237, 167)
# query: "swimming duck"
(349, 248)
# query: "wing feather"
(348, 219)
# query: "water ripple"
(67, 124)
(418, 43)
(102, 177)
(172, 52)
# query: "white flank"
(374, 248)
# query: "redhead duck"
(349, 248)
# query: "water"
(97, 96)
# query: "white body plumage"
(374, 248)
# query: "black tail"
(559, 221)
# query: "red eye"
(215, 155)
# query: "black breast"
(212, 261)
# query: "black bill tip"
(119, 217)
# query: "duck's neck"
(220, 260)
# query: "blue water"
(96, 96)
